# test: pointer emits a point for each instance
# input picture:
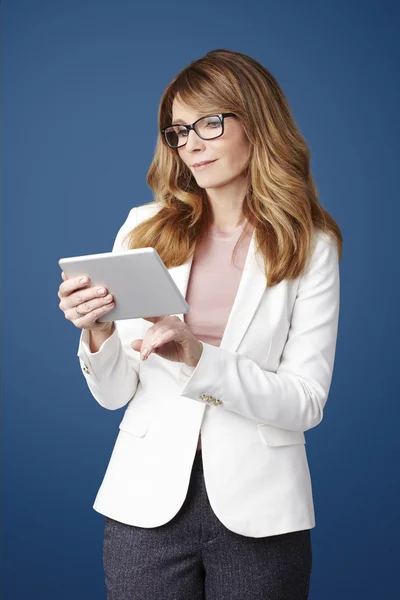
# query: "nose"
(193, 141)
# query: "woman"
(208, 493)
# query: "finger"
(136, 345)
(160, 338)
(153, 319)
(84, 308)
(84, 296)
(144, 347)
(81, 320)
(70, 285)
(63, 275)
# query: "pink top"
(214, 282)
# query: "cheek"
(238, 157)
(183, 156)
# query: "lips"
(205, 162)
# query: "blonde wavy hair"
(281, 201)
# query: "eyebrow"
(183, 122)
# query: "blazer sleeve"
(112, 373)
(294, 396)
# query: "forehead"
(184, 113)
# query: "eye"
(213, 123)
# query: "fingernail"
(143, 354)
(84, 280)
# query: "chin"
(203, 182)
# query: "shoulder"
(145, 211)
(324, 253)
(323, 242)
(136, 215)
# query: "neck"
(227, 205)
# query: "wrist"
(98, 337)
(197, 356)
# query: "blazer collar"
(248, 297)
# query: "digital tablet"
(138, 280)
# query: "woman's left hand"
(169, 338)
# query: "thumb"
(136, 345)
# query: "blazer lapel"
(250, 291)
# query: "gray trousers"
(195, 557)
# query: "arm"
(294, 397)
(112, 373)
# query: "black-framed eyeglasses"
(208, 128)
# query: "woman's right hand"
(82, 304)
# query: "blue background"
(81, 85)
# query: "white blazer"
(252, 397)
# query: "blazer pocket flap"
(275, 436)
(136, 424)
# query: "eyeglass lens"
(207, 128)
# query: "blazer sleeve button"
(216, 401)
